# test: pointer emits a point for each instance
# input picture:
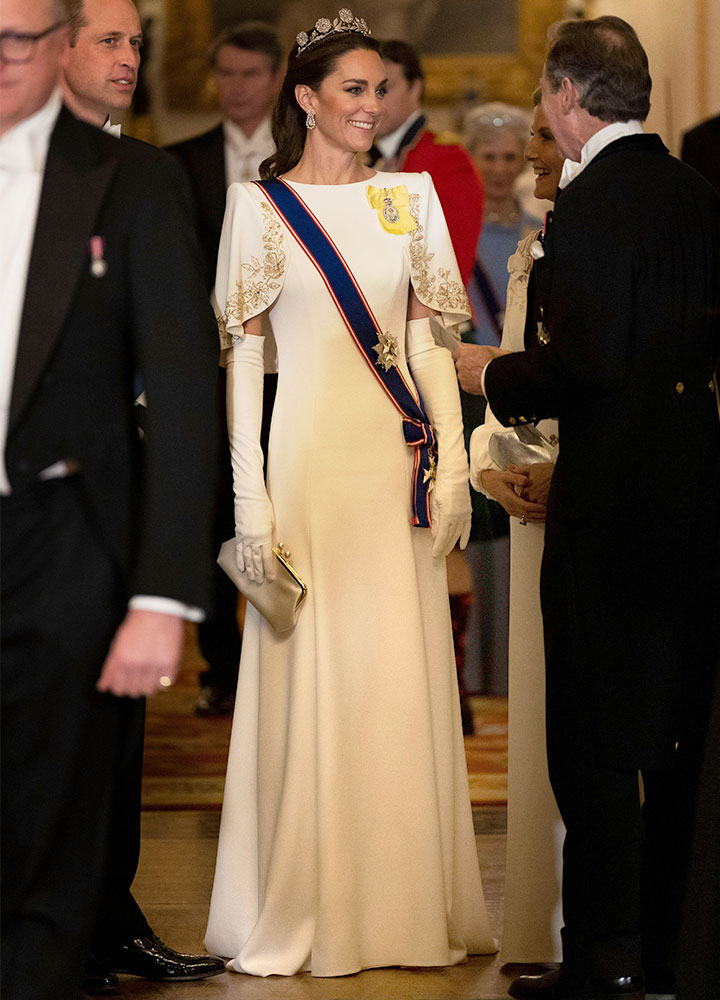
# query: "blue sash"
(366, 333)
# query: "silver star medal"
(387, 351)
(430, 473)
(390, 213)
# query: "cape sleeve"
(251, 268)
(434, 271)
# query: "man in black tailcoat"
(245, 63)
(99, 80)
(105, 546)
(627, 309)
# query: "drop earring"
(310, 120)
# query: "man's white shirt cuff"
(167, 606)
(482, 379)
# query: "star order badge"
(430, 473)
(387, 351)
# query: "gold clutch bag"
(278, 601)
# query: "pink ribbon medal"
(98, 265)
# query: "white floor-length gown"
(346, 839)
(535, 831)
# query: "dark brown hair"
(310, 67)
(404, 55)
(252, 36)
(606, 62)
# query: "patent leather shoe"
(150, 958)
(561, 984)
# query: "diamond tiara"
(325, 28)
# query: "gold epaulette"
(447, 139)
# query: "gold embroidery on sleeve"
(260, 278)
(437, 289)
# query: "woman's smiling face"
(544, 157)
(348, 104)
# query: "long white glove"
(433, 370)
(254, 517)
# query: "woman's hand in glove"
(254, 535)
(451, 511)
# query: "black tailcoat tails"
(628, 290)
(130, 522)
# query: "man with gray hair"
(627, 333)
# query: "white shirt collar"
(24, 147)
(259, 140)
(388, 145)
(114, 130)
(596, 143)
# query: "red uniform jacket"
(459, 187)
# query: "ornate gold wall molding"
(511, 77)
(188, 32)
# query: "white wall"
(670, 33)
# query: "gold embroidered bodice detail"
(260, 278)
(434, 288)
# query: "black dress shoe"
(99, 979)
(213, 700)
(560, 984)
(150, 958)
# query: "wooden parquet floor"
(185, 755)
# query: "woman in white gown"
(346, 839)
(532, 913)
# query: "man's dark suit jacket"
(136, 517)
(701, 150)
(629, 288)
(204, 160)
(84, 340)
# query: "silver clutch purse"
(278, 601)
(523, 445)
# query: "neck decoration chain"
(324, 28)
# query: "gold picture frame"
(509, 77)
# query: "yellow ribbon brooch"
(391, 205)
